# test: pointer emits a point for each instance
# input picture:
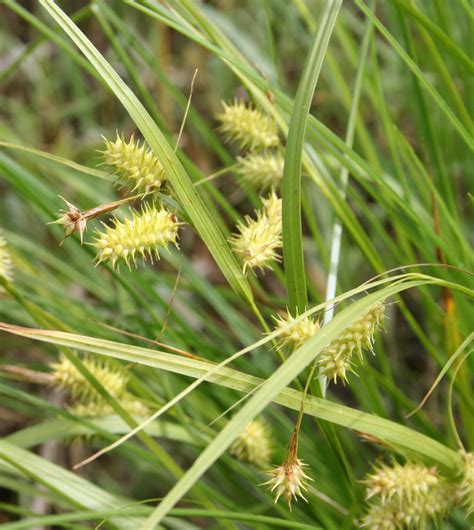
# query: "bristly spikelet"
(253, 444)
(297, 333)
(142, 235)
(337, 359)
(407, 482)
(67, 377)
(289, 480)
(248, 127)
(411, 510)
(467, 481)
(262, 170)
(6, 268)
(135, 165)
(260, 238)
(97, 409)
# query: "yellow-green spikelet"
(338, 358)
(248, 127)
(467, 481)
(262, 170)
(253, 444)
(295, 334)
(67, 377)
(5, 260)
(141, 235)
(135, 165)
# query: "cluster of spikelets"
(338, 358)
(142, 236)
(252, 131)
(6, 267)
(406, 497)
(259, 239)
(253, 445)
(135, 166)
(87, 401)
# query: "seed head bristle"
(247, 127)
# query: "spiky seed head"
(247, 127)
(339, 357)
(289, 480)
(6, 267)
(410, 514)
(67, 377)
(253, 444)
(262, 170)
(260, 238)
(135, 165)
(467, 481)
(140, 236)
(294, 334)
(97, 409)
(401, 482)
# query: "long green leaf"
(291, 190)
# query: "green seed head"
(142, 235)
(260, 238)
(467, 481)
(262, 170)
(6, 267)
(247, 127)
(339, 358)
(253, 444)
(135, 165)
(68, 378)
(295, 334)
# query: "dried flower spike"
(337, 359)
(248, 127)
(253, 444)
(6, 268)
(260, 238)
(67, 377)
(135, 165)
(142, 235)
(467, 481)
(262, 170)
(296, 333)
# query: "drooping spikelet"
(299, 332)
(262, 170)
(142, 235)
(260, 238)
(6, 268)
(289, 480)
(407, 497)
(247, 126)
(339, 357)
(67, 377)
(253, 444)
(467, 481)
(136, 166)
